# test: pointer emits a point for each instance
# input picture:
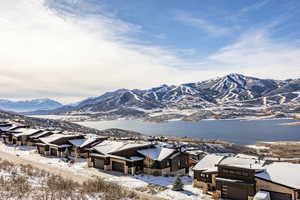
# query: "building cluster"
(102, 152)
(244, 177)
(223, 175)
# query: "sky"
(68, 50)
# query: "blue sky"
(201, 27)
(72, 49)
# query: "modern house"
(119, 156)
(205, 172)
(33, 139)
(56, 144)
(281, 180)
(236, 177)
(20, 136)
(195, 155)
(80, 147)
(164, 161)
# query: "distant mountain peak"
(29, 105)
(231, 89)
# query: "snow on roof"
(157, 153)
(25, 131)
(5, 127)
(283, 173)
(209, 162)
(262, 195)
(54, 137)
(243, 163)
(175, 155)
(240, 155)
(109, 146)
(135, 158)
(78, 142)
(195, 152)
(41, 134)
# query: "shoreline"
(84, 118)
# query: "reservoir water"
(236, 131)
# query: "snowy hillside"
(233, 90)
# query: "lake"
(236, 131)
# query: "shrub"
(177, 185)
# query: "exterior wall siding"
(268, 186)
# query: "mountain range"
(233, 95)
(30, 105)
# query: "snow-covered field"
(133, 182)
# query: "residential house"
(164, 161)
(7, 133)
(80, 147)
(56, 144)
(195, 156)
(20, 136)
(119, 156)
(33, 139)
(205, 172)
(236, 177)
(281, 180)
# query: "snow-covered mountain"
(30, 105)
(233, 90)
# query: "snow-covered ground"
(134, 182)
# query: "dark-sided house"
(205, 172)
(281, 180)
(119, 156)
(56, 144)
(20, 136)
(164, 161)
(80, 147)
(195, 155)
(33, 139)
(236, 177)
(7, 134)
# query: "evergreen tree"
(177, 185)
(67, 153)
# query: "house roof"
(240, 155)
(25, 131)
(5, 127)
(243, 163)
(83, 142)
(158, 153)
(108, 146)
(54, 137)
(282, 173)
(208, 163)
(41, 134)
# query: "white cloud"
(202, 24)
(254, 53)
(71, 56)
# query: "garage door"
(116, 166)
(229, 192)
(280, 196)
(53, 152)
(99, 163)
